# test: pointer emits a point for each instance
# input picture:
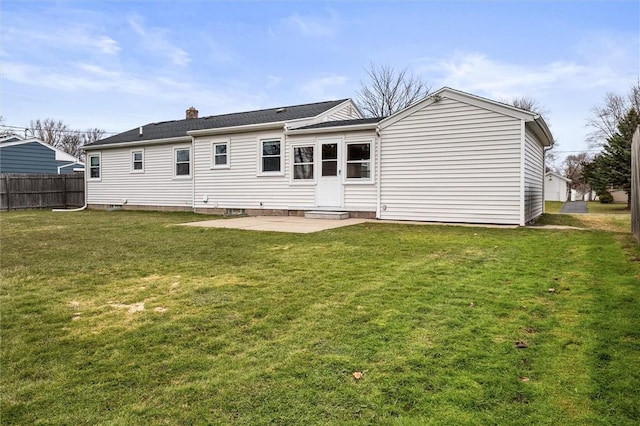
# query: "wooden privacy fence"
(27, 191)
(635, 184)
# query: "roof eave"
(541, 130)
(352, 127)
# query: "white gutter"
(367, 126)
(137, 143)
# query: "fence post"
(64, 191)
(7, 179)
(635, 184)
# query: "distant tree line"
(56, 133)
(614, 124)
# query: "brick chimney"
(192, 113)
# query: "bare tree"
(574, 168)
(529, 104)
(533, 105)
(389, 91)
(604, 119)
(4, 132)
(49, 131)
(58, 134)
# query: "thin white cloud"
(325, 87)
(63, 37)
(273, 81)
(314, 26)
(479, 73)
(156, 40)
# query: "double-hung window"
(137, 161)
(270, 156)
(94, 166)
(183, 162)
(303, 162)
(220, 155)
(359, 160)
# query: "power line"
(56, 130)
(579, 150)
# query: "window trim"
(99, 178)
(175, 162)
(282, 156)
(215, 143)
(311, 181)
(133, 170)
(371, 161)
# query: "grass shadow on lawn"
(122, 318)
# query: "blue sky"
(118, 64)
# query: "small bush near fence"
(605, 197)
(31, 191)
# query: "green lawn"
(123, 318)
(617, 208)
(553, 206)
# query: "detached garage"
(556, 187)
(456, 157)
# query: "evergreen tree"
(612, 167)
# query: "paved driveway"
(575, 207)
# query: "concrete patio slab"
(293, 224)
(302, 225)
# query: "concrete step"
(326, 215)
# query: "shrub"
(605, 197)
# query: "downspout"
(193, 175)
(523, 150)
(86, 200)
(378, 172)
(544, 175)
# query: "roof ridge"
(271, 108)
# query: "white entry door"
(329, 187)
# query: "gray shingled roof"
(178, 128)
(341, 123)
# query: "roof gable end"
(449, 93)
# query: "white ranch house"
(453, 157)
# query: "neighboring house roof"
(60, 155)
(19, 155)
(559, 176)
(179, 128)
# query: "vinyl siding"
(452, 162)
(30, 157)
(239, 186)
(347, 112)
(341, 113)
(533, 177)
(155, 187)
